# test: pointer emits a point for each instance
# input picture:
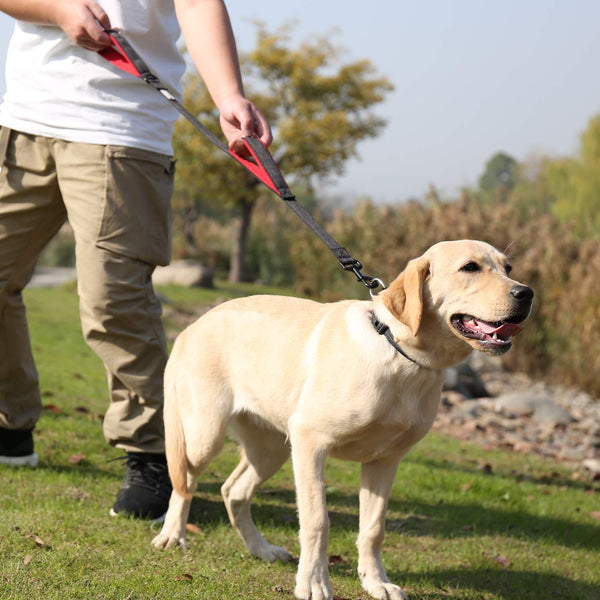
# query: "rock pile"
(482, 402)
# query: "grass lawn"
(463, 523)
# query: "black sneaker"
(16, 448)
(146, 490)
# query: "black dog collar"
(384, 330)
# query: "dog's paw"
(163, 541)
(384, 591)
(317, 591)
(270, 553)
(315, 587)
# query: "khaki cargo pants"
(117, 201)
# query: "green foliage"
(576, 184)
(510, 531)
(499, 176)
(320, 109)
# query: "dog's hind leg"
(190, 446)
(173, 530)
(264, 450)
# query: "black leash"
(263, 167)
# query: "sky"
(471, 78)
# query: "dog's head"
(464, 288)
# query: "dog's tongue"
(506, 330)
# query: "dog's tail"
(175, 447)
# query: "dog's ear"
(404, 297)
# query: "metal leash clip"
(372, 283)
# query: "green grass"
(519, 529)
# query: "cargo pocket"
(136, 216)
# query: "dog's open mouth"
(494, 334)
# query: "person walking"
(80, 140)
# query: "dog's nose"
(522, 293)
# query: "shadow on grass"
(510, 584)
(441, 520)
(452, 520)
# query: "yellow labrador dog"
(357, 380)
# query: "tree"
(576, 184)
(499, 177)
(319, 109)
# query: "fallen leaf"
(468, 528)
(278, 588)
(502, 560)
(27, 559)
(76, 459)
(191, 528)
(81, 409)
(38, 540)
(335, 558)
(184, 577)
(51, 408)
(467, 486)
(595, 515)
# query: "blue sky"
(471, 77)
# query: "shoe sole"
(157, 521)
(31, 460)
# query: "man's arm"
(209, 39)
(83, 21)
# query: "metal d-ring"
(372, 289)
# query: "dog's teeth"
(495, 336)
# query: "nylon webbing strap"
(263, 165)
(264, 158)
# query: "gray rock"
(592, 464)
(465, 380)
(187, 273)
(52, 276)
(540, 408)
(518, 404)
(549, 411)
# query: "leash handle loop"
(122, 55)
(264, 167)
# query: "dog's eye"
(508, 269)
(471, 267)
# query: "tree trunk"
(189, 220)
(238, 252)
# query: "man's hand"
(239, 119)
(84, 22)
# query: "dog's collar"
(384, 330)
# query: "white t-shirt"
(56, 89)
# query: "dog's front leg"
(312, 579)
(376, 482)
